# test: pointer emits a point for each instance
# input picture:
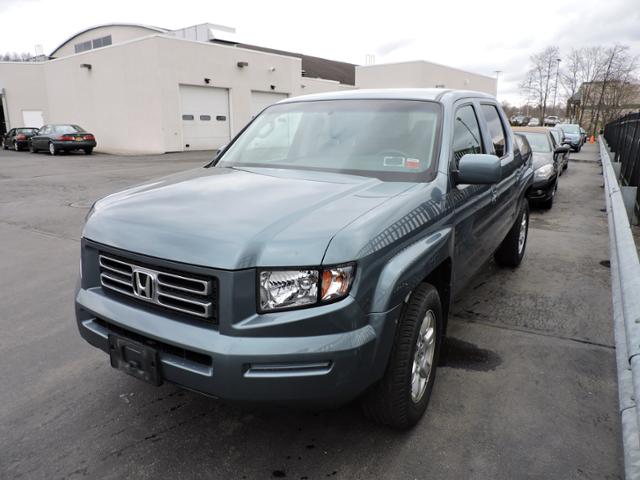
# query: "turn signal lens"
(336, 282)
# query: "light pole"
(498, 72)
(555, 89)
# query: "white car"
(534, 122)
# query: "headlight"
(543, 172)
(286, 289)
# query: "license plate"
(135, 358)
(79, 139)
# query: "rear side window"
(496, 129)
(466, 133)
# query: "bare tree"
(540, 78)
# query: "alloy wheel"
(423, 356)
(522, 237)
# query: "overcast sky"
(478, 35)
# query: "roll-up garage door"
(205, 117)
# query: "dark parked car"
(520, 120)
(316, 258)
(62, 138)
(18, 138)
(572, 135)
(546, 164)
(583, 134)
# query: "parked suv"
(315, 259)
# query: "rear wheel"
(32, 149)
(401, 397)
(511, 250)
(88, 151)
(52, 149)
(4, 146)
(15, 146)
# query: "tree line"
(596, 84)
(16, 57)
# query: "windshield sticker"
(393, 161)
(412, 163)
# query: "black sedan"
(546, 163)
(18, 138)
(62, 138)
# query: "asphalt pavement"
(526, 389)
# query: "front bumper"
(318, 370)
(542, 190)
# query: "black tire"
(32, 149)
(509, 253)
(565, 166)
(16, 147)
(53, 150)
(390, 401)
(4, 147)
(88, 151)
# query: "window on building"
(496, 129)
(102, 42)
(187, 117)
(205, 118)
(83, 46)
(91, 44)
(466, 133)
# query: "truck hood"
(231, 219)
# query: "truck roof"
(433, 94)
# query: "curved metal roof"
(137, 25)
(437, 94)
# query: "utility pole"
(555, 89)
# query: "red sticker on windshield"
(412, 163)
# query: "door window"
(466, 133)
(496, 129)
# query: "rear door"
(506, 192)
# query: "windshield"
(539, 142)
(67, 129)
(570, 128)
(393, 140)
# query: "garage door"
(32, 118)
(261, 100)
(205, 117)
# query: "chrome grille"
(176, 291)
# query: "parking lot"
(526, 389)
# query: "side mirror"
(479, 169)
(562, 149)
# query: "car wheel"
(52, 149)
(401, 397)
(88, 151)
(16, 147)
(32, 149)
(511, 250)
(4, 147)
(548, 203)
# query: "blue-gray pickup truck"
(315, 259)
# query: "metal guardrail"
(623, 137)
(625, 289)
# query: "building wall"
(24, 89)
(119, 34)
(421, 74)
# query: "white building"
(143, 89)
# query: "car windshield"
(393, 140)
(26, 130)
(67, 129)
(539, 142)
(570, 128)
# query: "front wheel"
(401, 397)
(511, 250)
(32, 149)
